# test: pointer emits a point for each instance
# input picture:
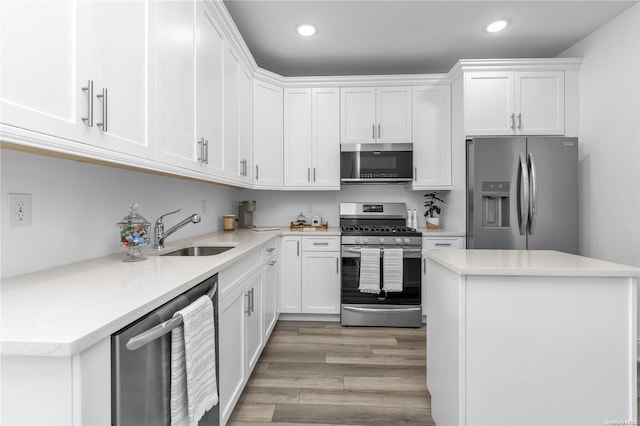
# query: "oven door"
(401, 309)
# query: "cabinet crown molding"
(524, 64)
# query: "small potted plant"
(433, 208)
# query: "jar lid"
(134, 217)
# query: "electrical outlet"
(20, 210)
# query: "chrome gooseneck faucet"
(160, 234)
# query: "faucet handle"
(159, 221)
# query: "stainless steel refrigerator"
(522, 193)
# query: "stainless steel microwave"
(376, 163)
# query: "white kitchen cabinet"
(514, 103)
(312, 138)
(291, 274)
(245, 134)
(254, 318)
(210, 81)
(190, 87)
(82, 71)
(432, 137)
(320, 291)
(375, 115)
(271, 288)
(232, 349)
(310, 274)
(436, 243)
(267, 135)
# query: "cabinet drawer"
(443, 243)
(270, 249)
(229, 277)
(321, 243)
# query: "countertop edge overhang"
(544, 263)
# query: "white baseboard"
(310, 317)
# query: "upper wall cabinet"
(514, 103)
(312, 138)
(432, 137)
(375, 115)
(190, 87)
(267, 135)
(79, 71)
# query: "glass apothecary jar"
(134, 234)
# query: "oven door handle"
(405, 250)
(361, 309)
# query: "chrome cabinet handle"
(273, 262)
(257, 172)
(424, 265)
(308, 174)
(242, 168)
(298, 248)
(513, 121)
(253, 301)
(533, 204)
(200, 144)
(89, 89)
(321, 244)
(314, 174)
(443, 244)
(523, 195)
(519, 121)
(415, 174)
(373, 131)
(271, 249)
(248, 311)
(378, 131)
(206, 151)
(337, 265)
(104, 96)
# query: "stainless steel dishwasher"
(141, 360)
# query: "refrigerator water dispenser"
(495, 204)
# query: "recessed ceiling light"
(306, 30)
(498, 25)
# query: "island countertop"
(527, 263)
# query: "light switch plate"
(20, 210)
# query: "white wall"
(610, 140)
(281, 207)
(76, 207)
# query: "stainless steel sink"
(199, 251)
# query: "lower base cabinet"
(310, 275)
(436, 243)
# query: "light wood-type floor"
(322, 373)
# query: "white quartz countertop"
(527, 263)
(64, 310)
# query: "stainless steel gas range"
(381, 277)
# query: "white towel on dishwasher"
(392, 270)
(369, 270)
(194, 388)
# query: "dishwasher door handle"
(160, 330)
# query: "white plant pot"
(433, 222)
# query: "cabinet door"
(177, 142)
(267, 135)
(269, 296)
(253, 292)
(432, 137)
(320, 282)
(232, 350)
(124, 50)
(325, 137)
(209, 84)
(245, 136)
(291, 272)
(539, 103)
(488, 103)
(393, 115)
(358, 115)
(297, 137)
(46, 60)
(232, 71)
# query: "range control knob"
(407, 240)
(399, 240)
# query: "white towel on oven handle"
(392, 270)
(369, 270)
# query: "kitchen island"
(530, 338)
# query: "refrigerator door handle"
(533, 204)
(523, 195)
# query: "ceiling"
(362, 37)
